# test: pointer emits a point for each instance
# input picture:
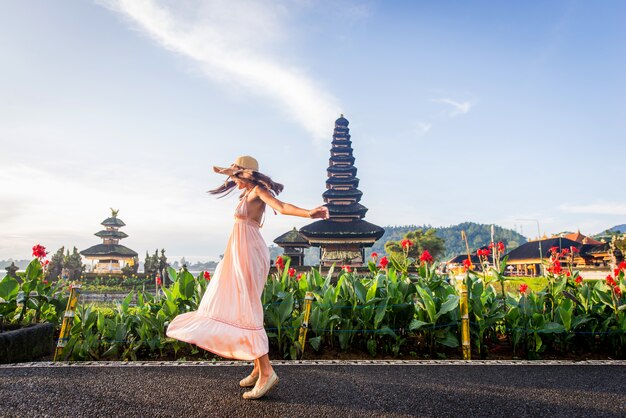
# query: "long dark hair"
(254, 177)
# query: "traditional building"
(293, 244)
(527, 259)
(110, 256)
(343, 237)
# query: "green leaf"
(449, 340)
(173, 275)
(380, 313)
(360, 291)
(285, 308)
(34, 270)
(371, 292)
(315, 343)
(552, 327)
(450, 304)
(9, 288)
(417, 324)
(429, 303)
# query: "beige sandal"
(249, 381)
(259, 392)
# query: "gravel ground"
(394, 390)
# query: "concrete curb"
(318, 363)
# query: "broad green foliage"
(378, 311)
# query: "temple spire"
(342, 237)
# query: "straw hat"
(245, 162)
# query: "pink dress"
(229, 320)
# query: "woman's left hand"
(319, 212)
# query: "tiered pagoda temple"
(110, 256)
(293, 244)
(343, 237)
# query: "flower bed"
(385, 310)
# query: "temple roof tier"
(342, 194)
(292, 238)
(342, 159)
(111, 234)
(354, 229)
(338, 181)
(356, 209)
(342, 170)
(113, 221)
(105, 250)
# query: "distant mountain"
(618, 228)
(606, 234)
(477, 236)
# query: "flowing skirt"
(229, 320)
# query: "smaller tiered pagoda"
(293, 244)
(110, 256)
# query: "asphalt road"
(318, 390)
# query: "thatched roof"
(530, 250)
(292, 239)
(108, 250)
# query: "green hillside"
(477, 235)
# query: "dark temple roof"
(111, 234)
(292, 238)
(113, 221)
(530, 250)
(104, 250)
(353, 229)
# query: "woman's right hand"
(319, 212)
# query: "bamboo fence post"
(465, 331)
(304, 326)
(68, 320)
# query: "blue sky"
(459, 111)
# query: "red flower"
(347, 268)
(491, 245)
(45, 263)
(383, 262)
(523, 288)
(467, 264)
(291, 272)
(578, 280)
(501, 247)
(610, 281)
(158, 281)
(616, 272)
(555, 268)
(483, 252)
(554, 250)
(39, 251)
(426, 257)
(374, 255)
(622, 265)
(406, 243)
(617, 291)
(300, 276)
(280, 264)
(207, 275)
(564, 251)
(567, 273)
(44, 281)
(575, 250)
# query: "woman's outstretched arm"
(288, 209)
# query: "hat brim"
(228, 171)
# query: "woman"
(229, 320)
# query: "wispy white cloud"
(598, 208)
(232, 42)
(458, 108)
(422, 128)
